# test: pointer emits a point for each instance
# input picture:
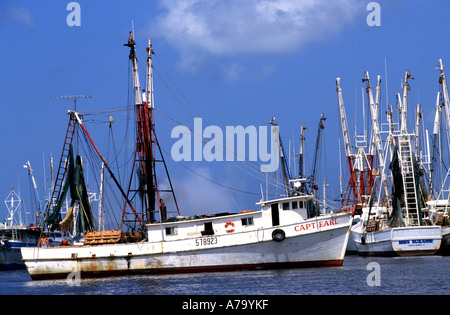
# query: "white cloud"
(233, 72)
(236, 71)
(233, 27)
(21, 14)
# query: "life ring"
(278, 235)
(231, 230)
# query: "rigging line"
(255, 165)
(94, 161)
(112, 176)
(177, 99)
(106, 111)
(116, 153)
(173, 94)
(170, 104)
(165, 167)
(80, 204)
(106, 195)
(274, 182)
(212, 181)
(328, 199)
(171, 80)
(258, 176)
(103, 121)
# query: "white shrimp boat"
(281, 234)
(401, 241)
(376, 237)
(248, 240)
(396, 225)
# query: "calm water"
(399, 275)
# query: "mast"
(149, 98)
(316, 151)
(377, 142)
(301, 163)
(101, 224)
(418, 131)
(445, 100)
(347, 144)
(35, 189)
(408, 164)
(301, 166)
(435, 139)
(404, 105)
(144, 152)
(284, 167)
(147, 142)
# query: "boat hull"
(414, 241)
(374, 243)
(401, 241)
(320, 248)
(10, 258)
(10, 254)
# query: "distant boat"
(280, 234)
(14, 235)
(440, 216)
(387, 223)
(439, 206)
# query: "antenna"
(74, 97)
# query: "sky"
(228, 62)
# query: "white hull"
(402, 241)
(352, 249)
(372, 244)
(419, 240)
(314, 242)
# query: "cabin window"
(173, 230)
(301, 204)
(247, 221)
(208, 229)
(294, 205)
(285, 205)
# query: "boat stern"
(417, 240)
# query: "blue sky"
(235, 62)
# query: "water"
(398, 275)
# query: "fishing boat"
(439, 205)
(14, 235)
(282, 233)
(388, 223)
(273, 237)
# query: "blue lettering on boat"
(422, 241)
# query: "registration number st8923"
(205, 241)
